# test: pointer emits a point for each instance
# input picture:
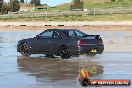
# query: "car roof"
(62, 29)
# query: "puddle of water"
(40, 72)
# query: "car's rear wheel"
(25, 49)
(64, 53)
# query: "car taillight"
(82, 42)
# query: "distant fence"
(93, 12)
(66, 23)
(89, 12)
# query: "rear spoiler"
(94, 36)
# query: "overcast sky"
(49, 2)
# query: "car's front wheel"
(25, 49)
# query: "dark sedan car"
(61, 42)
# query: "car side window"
(79, 34)
(72, 34)
(75, 34)
(56, 34)
(47, 34)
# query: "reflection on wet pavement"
(52, 69)
(55, 69)
(38, 71)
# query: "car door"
(44, 41)
(55, 42)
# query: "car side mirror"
(37, 36)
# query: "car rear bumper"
(86, 49)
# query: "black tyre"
(25, 49)
(64, 53)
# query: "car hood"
(25, 40)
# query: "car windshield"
(46, 34)
(74, 33)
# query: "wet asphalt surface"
(38, 71)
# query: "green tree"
(14, 6)
(75, 1)
(35, 2)
(22, 1)
(5, 8)
(77, 5)
(1, 4)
